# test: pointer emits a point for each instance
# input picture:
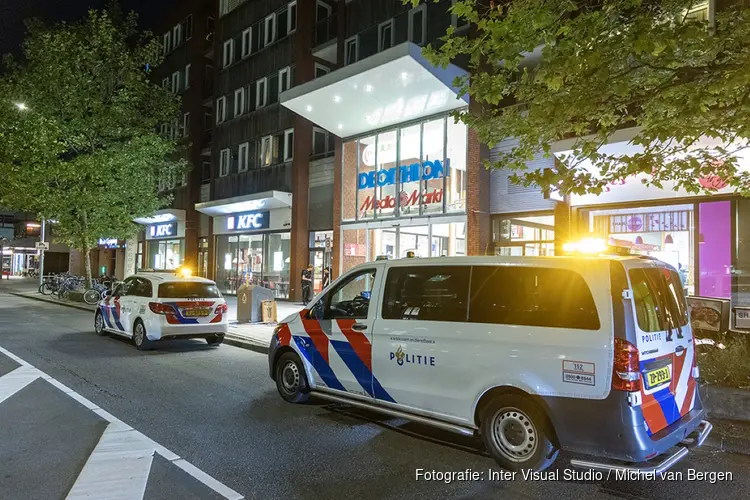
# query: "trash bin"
(249, 303)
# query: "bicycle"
(96, 293)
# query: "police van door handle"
(679, 350)
(359, 327)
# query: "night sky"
(14, 12)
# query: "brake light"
(221, 309)
(626, 373)
(159, 308)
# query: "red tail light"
(626, 373)
(221, 309)
(159, 308)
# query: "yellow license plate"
(192, 313)
(658, 377)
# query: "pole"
(41, 256)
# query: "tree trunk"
(87, 264)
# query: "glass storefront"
(165, 254)
(321, 247)
(524, 235)
(258, 259)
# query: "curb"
(53, 301)
(244, 343)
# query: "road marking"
(120, 464)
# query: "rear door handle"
(359, 327)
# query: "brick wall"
(477, 198)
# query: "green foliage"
(598, 67)
(728, 367)
(86, 152)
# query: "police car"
(149, 307)
(592, 354)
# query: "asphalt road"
(218, 410)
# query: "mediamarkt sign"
(436, 196)
(431, 169)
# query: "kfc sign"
(167, 230)
(250, 221)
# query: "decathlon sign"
(431, 169)
(167, 230)
(250, 221)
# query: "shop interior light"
(586, 246)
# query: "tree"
(542, 71)
(84, 150)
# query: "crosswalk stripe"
(120, 464)
(12, 382)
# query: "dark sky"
(14, 12)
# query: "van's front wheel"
(290, 379)
(516, 434)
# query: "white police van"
(148, 307)
(592, 355)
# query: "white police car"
(589, 354)
(149, 307)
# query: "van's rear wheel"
(291, 380)
(517, 434)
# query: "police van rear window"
(659, 299)
(188, 290)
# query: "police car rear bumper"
(651, 468)
(186, 331)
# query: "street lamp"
(22, 106)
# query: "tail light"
(626, 373)
(159, 308)
(221, 309)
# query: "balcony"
(325, 39)
(275, 178)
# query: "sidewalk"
(256, 336)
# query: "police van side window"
(349, 299)
(531, 296)
(429, 293)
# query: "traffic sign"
(42, 245)
(328, 242)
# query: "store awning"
(165, 215)
(388, 88)
(267, 200)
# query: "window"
(167, 42)
(699, 12)
(239, 101)
(320, 141)
(189, 27)
(284, 83)
(266, 150)
(186, 125)
(163, 130)
(385, 35)
(531, 296)
(348, 299)
(269, 32)
(221, 109)
(187, 76)
(288, 144)
(429, 293)
(165, 83)
(176, 82)
(224, 158)
(243, 157)
(176, 35)
(247, 42)
(351, 50)
(188, 290)
(207, 121)
(321, 70)
(418, 24)
(206, 172)
(455, 20)
(261, 93)
(322, 11)
(291, 20)
(228, 53)
(659, 300)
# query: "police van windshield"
(659, 299)
(188, 290)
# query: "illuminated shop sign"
(407, 200)
(431, 169)
(166, 230)
(249, 221)
(109, 243)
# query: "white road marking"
(119, 466)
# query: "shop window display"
(256, 259)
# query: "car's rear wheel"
(215, 339)
(291, 380)
(141, 341)
(99, 324)
(517, 434)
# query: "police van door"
(340, 334)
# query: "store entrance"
(665, 233)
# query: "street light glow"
(22, 106)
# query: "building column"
(477, 198)
(337, 243)
(131, 253)
(563, 226)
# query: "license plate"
(192, 313)
(658, 377)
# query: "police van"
(588, 354)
